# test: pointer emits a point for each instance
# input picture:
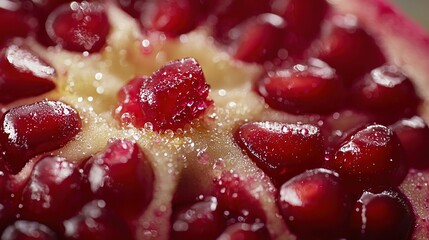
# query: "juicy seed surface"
(382, 215)
(120, 174)
(79, 27)
(200, 220)
(370, 153)
(27, 230)
(282, 150)
(315, 203)
(312, 87)
(174, 95)
(23, 73)
(29, 130)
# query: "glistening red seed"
(370, 153)
(29, 130)
(314, 204)
(95, 221)
(172, 97)
(349, 49)
(382, 215)
(120, 174)
(200, 220)
(413, 133)
(50, 195)
(259, 38)
(311, 87)
(23, 24)
(79, 27)
(385, 90)
(282, 150)
(23, 73)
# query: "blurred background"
(417, 9)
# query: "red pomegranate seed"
(79, 27)
(23, 24)
(228, 14)
(385, 90)
(349, 49)
(304, 20)
(259, 38)
(29, 130)
(175, 17)
(314, 203)
(174, 95)
(370, 153)
(95, 221)
(384, 215)
(133, 7)
(54, 191)
(122, 174)
(26, 230)
(234, 198)
(312, 87)
(244, 231)
(282, 150)
(129, 111)
(413, 133)
(200, 220)
(23, 73)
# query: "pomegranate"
(212, 119)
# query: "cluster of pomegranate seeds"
(172, 97)
(29, 130)
(23, 73)
(312, 87)
(382, 215)
(282, 150)
(79, 27)
(121, 173)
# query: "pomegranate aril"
(385, 90)
(312, 87)
(244, 231)
(382, 215)
(259, 38)
(315, 203)
(282, 150)
(129, 111)
(29, 130)
(96, 222)
(238, 204)
(54, 192)
(200, 220)
(132, 7)
(122, 176)
(304, 20)
(370, 153)
(174, 95)
(26, 230)
(175, 17)
(79, 27)
(413, 133)
(23, 73)
(349, 49)
(23, 23)
(228, 14)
